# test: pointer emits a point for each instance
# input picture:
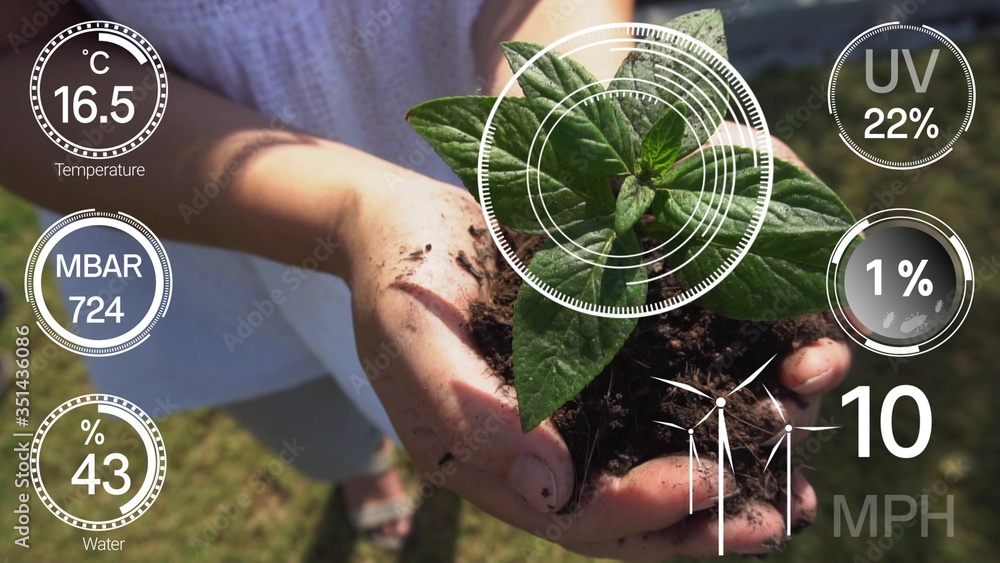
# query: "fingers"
(621, 517)
(759, 529)
(804, 503)
(756, 530)
(420, 312)
(472, 413)
(816, 367)
(650, 496)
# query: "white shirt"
(342, 69)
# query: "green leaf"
(662, 144)
(706, 26)
(595, 128)
(454, 128)
(761, 288)
(633, 200)
(784, 273)
(558, 351)
(639, 69)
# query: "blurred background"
(785, 48)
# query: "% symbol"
(921, 118)
(924, 285)
(92, 433)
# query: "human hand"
(460, 424)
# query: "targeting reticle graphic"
(687, 76)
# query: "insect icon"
(890, 318)
(938, 305)
(913, 322)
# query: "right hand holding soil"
(420, 267)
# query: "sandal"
(368, 518)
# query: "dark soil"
(610, 425)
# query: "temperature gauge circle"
(116, 100)
(118, 468)
(900, 282)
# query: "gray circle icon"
(900, 282)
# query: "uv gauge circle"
(901, 95)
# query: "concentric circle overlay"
(900, 282)
(670, 72)
(111, 270)
(112, 104)
(901, 95)
(97, 408)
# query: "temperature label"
(116, 100)
(112, 300)
(122, 467)
(900, 282)
(879, 89)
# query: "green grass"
(212, 460)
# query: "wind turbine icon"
(724, 451)
(692, 448)
(786, 439)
